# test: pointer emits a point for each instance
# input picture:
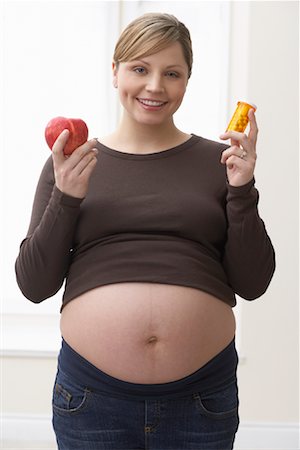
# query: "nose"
(155, 84)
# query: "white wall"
(56, 62)
(269, 378)
(263, 65)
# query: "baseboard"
(27, 428)
(251, 435)
(267, 436)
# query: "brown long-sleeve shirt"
(167, 217)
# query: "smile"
(153, 103)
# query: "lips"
(151, 103)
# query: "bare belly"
(147, 332)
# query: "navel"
(152, 340)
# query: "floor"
(27, 446)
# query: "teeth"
(151, 103)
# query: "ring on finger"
(243, 154)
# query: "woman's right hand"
(72, 173)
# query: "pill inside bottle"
(239, 120)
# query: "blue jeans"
(86, 416)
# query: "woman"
(155, 231)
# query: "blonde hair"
(151, 33)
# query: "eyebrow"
(147, 64)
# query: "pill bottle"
(239, 120)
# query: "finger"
(234, 143)
(235, 136)
(88, 169)
(234, 151)
(85, 161)
(59, 145)
(253, 126)
(235, 161)
(80, 152)
(242, 141)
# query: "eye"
(139, 70)
(173, 74)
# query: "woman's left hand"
(240, 157)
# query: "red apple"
(78, 132)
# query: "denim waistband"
(219, 370)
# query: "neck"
(161, 136)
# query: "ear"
(115, 74)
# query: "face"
(152, 88)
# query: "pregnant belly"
(147, 332)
